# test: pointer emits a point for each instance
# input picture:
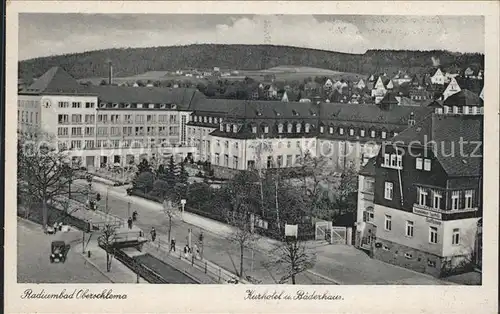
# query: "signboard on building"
(427, 213)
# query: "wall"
(365, 199)
(468, 231)
(30, 106)
(420, 239)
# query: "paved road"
(33, 264)
(169, 273)
(217, 249)
(343, 264)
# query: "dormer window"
(351, 132)
(280, 128)
(210, 120)
(341, 131)
(266, 129)
(295, 113)
(473, 110)
(139, 106)
(163, 106)
(362, 133)
(439, 110)
(216, 120)
(331, 130)
(205, 119)
(277, 113)
(455, 109)
(258, 113)
(254, 129)
(308, 126)
(372, 133)
(321, 129)
(102, 105)
(127, 105)
(289, 127)
(446, 109)
(221, 127)
(228, 128)
(115, 105)
(235, 128)
(191, 118)
(384, 134)
(481, 110)
(466, 109)
(299, 126)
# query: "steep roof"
(54, 81)
(183, 97)
(463, 98)
(369, 169)
(456, 138)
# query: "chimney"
(110, 74)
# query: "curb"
(87, 260)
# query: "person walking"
(153, 234)
(129, 221)
(172, 245)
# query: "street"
(33, 264)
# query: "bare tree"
(43, 171)
(243, 234)
(292, 258)
(106, 241)
(170, 213)
(241, 205)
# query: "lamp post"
(183, 203)
(89, 180)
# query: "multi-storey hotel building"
(107, 125)
(421, 198)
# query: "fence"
(144, 272)
(195, 264)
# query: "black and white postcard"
(326, 157)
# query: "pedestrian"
(129, 221)
(186, 251)
(172, 245)
(153, 234)
(196, 252)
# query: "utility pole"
(128, 208)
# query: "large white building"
(107, 125)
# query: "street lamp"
(183, 203)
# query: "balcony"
(437, 213)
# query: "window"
(351, 132)
(384, 134)
(236, 145)
(393, 160)
(289, 127)
(388, 223)
(89, 144)
(288, 144)
(436, 203)
(76, 144)
(433, 235)
(468, 198)
(455, 238)
(372, 133)
(331, 130)
(266, 129)
(288, 160)
(308, 126)
(62, 131)
(388, 191)
(63, 119)
(228, 128)
(455, 197)
(386, 160)
(279, 161)
(89, 105)
(418, 163)
(217, 158)
(341, 131)
(362, 133)
(427, 164)
(235, 162)
(76, 131)
(254, 129)
(226, 144)
(280, 128)
(321, 129)
(385, 248)
(139, 118)
(431, 263)
(408, 255)
(89, 131)
(298, 127)
(409, 228)
(226, 160)
(115, 131)
(422, 197)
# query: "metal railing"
(213, 271)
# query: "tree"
(183, 175)
(106, 241)
(144, 181)
(292, 257)
(43, 171)
(170, 213)
(143, 166)
(240, 195)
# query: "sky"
(45, 34)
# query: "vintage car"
(59, 249)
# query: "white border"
(203, 299)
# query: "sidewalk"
(119, 273)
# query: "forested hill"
(132, 61)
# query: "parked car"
(59, 250)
